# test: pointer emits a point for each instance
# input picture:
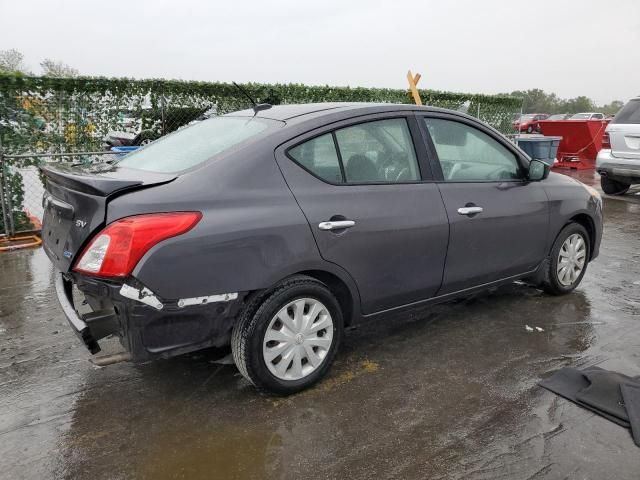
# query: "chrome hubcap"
(571, 259)
(298, 339)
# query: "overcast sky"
(570, 47)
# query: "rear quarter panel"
(252, 233)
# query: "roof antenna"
(256, 106)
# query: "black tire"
(613, 187)
(248, 334)
(529, 129)
(551, 282)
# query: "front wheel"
(612, 187)
(286, 340)
(568, 260)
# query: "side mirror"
(538, 170)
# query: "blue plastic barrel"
(539, 147)
(124, 150)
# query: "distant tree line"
(12, 61)
(538, 101)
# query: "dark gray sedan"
(272, 230)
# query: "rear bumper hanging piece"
(224, 297)
(143, 295)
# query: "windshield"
(580, 116)
(558, 116)
(194, 145)
(526, 117)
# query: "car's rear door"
(368, 173)
(498, 220)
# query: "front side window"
(467, 154)
(373, 152)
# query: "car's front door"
(370, 208)
(498, 219)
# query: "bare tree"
(53, 68)
(12, 61)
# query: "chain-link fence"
(22, 187)
(81, 120)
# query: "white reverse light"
(92, 259)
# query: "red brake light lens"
(117, 249)
(606, 141)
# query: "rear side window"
(379, 151)
(630, 113)
(196, 144)
(319, 156)
(373, 152)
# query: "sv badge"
(81, 223)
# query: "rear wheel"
(286, 340)
(568, 260)
(613, 187)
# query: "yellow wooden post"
(413, 82)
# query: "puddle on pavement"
(452, 388)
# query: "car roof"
(287, 112)
(293, 113)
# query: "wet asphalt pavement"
(447, 393)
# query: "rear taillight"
(115, 251)
(606, 141)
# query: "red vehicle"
(529, 122)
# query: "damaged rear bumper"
(64, 291)
(149, 327)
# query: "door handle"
(336, 225)
(469, 210)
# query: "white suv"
(587, 116)
(618, 162)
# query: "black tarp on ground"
(631, 395)
(611, 395)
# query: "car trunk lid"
(75, 204)
(624, 131)
(625, 140)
